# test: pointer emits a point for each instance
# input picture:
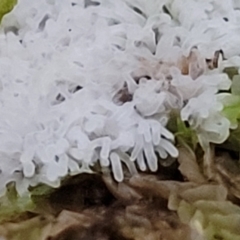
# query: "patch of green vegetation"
(6, 6)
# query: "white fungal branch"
(95, 81)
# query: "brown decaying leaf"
(36, 228)
(222, 169)
(208, 164)
(121, 191)
(228, 173)
(189, 166)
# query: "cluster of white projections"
(85, 82)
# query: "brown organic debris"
(189, 166)
(149, 206)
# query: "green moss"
(231, 71)
(6, 6)
(12, 206)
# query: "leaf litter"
(193, 198)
